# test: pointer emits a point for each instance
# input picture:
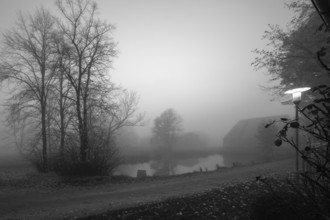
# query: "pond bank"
(70, 202)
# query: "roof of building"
(247, 128)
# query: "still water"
(208, 163)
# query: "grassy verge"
(268, 199)
(30, 179)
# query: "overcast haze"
(190, 55)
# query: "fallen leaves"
(229, 201)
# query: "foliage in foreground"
(292, 56)
(299, 63)
(246, 200)
(315, 152)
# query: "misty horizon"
(194, 57)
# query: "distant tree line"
(64, 108)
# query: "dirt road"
(74, 202)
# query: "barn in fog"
(242, 146)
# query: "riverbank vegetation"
(24, 177)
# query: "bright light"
(296, 97)
(297, 90)
(296, 93)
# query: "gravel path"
(72, 202)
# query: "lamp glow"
(292, 91)
(296, 93)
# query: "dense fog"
(194, 57)
(164, 109)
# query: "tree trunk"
(82, 128)
(44, 137)
(81, 131)
(62, 138)
(62, 115)
(85, 143)
(85, 127)
(83, 157)
(43, 101)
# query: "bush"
(286, 200)
(36, 160)
(102, 160)
(282, 205)
(314, 179)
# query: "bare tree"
(63, 95)
(124, 112)
(63, 91)
(93, 51)
(111, 108)
(26, 60)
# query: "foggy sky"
(190, 55)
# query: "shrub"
(286, 199)
(315, 178)
(102, 160)
(281, 205)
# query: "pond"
(182, 166)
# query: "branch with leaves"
(316, 152)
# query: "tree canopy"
(59, 70)
(166, 127)
(291, 56)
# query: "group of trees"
(63, 104)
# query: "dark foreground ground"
(228, 194)
(244, 200)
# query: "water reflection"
(208, 163)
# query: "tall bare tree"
(64, 101)
(26, 60)
(123, 112)
(93, 51)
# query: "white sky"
(190, 55)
